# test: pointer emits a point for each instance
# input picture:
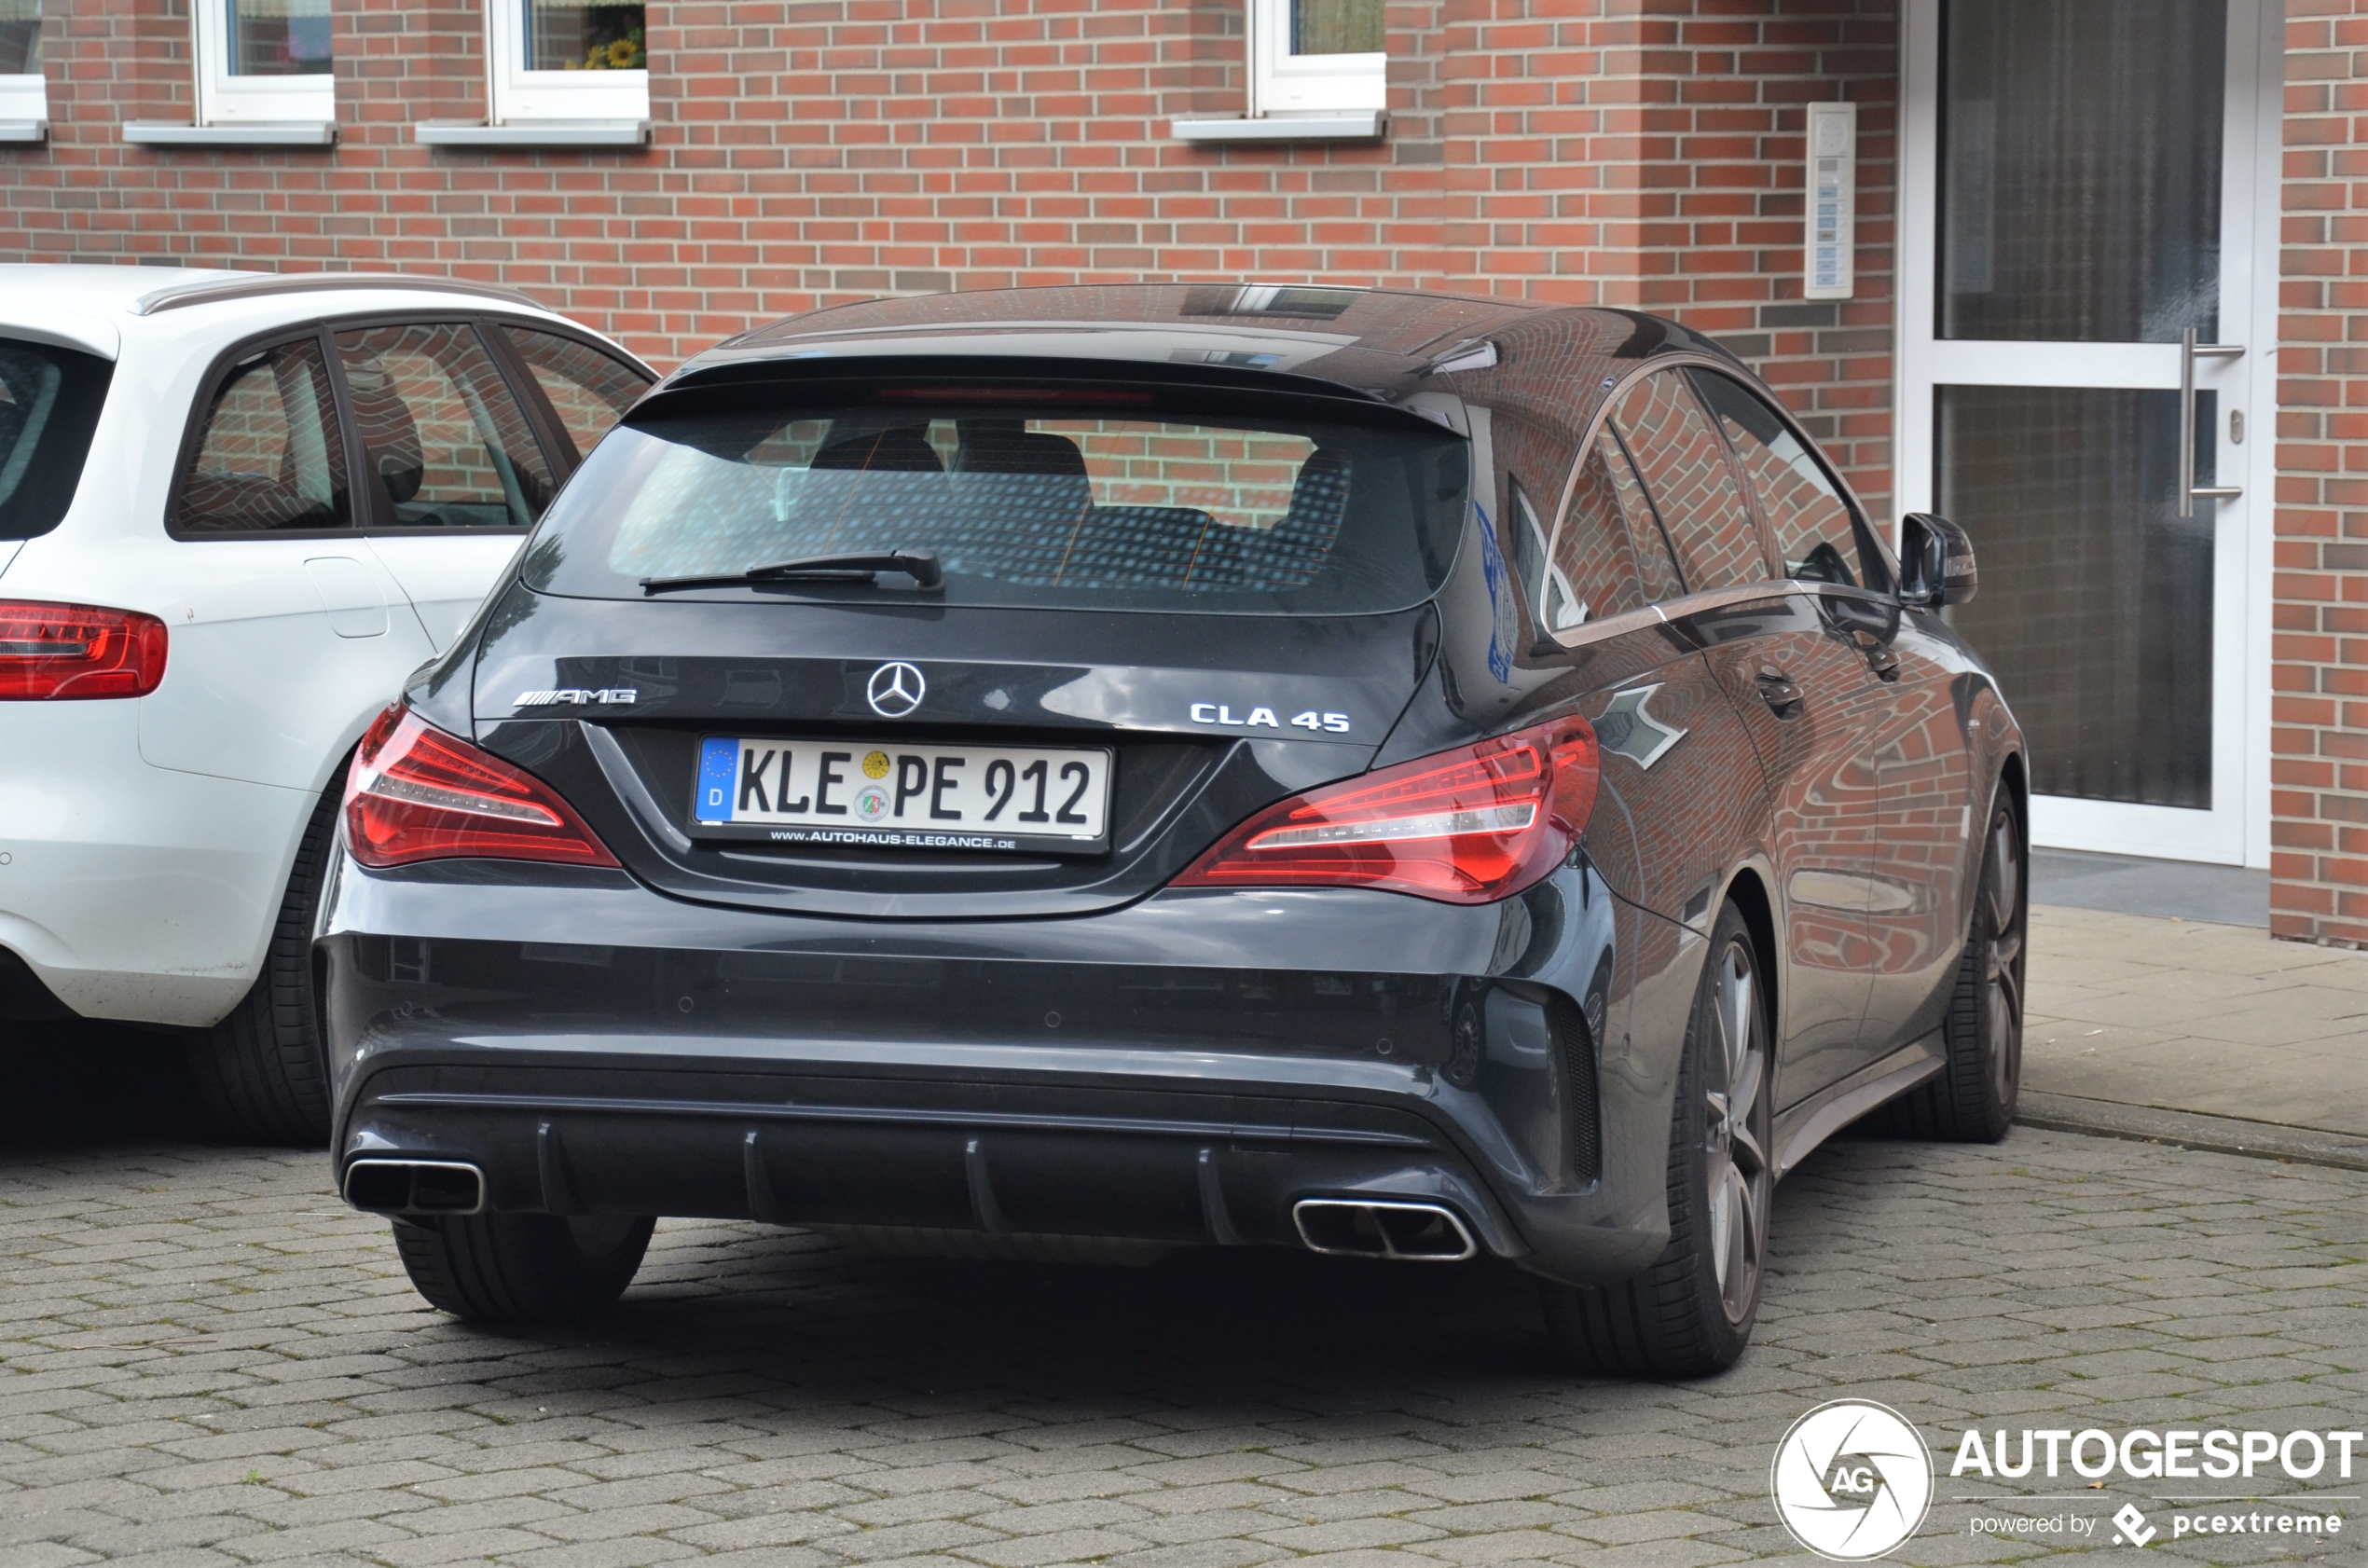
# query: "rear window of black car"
(1070, 497)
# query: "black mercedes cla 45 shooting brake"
(1080, 773)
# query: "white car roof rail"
(208, 291)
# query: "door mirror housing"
(1936, 561)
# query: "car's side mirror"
(1936, 561)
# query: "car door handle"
(1780, 692)
(1878, 655)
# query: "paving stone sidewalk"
(2192, 1016)
(205, 1360)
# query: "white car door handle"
(350, 594)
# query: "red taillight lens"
(1467, 826)
(417, 793)
(77, 650)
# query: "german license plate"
(896, 795)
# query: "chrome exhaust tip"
(1406, 1231)
(411, 1187)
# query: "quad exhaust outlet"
(415, 1187)
(1410, 1233)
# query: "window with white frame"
(263, 60)
(24, 96)
(568, 59)
(1316, 56)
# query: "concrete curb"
(2220, 1134)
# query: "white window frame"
(1283, 83)
(24, 102)
(225, 98)
(24, 107)
(517, 96)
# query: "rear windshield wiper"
(919, 565)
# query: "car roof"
(1379, 343)
(98, 286)
(143, 291)
(82, 306)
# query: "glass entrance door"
(2087, 314)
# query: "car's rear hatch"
(1160, 609)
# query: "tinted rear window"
(1030, 498)
(49, 400)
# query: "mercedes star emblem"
(895, 690)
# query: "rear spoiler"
(706, 385)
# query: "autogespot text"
(2175, 1454)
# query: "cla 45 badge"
(1222, 715)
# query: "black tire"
(523, 1268)
(262, 1072)
(1690, 1314)
(1973, 1098)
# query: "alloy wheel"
(1738, 1180)
(2003, 956)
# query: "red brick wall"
(1643, 153)
(1696, 132)
(2318, 714)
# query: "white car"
(235, 510)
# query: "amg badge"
(577, 694)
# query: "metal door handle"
(2189, 491)
(1780, 692)
(1878, 655)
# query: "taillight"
(77, 650)
(417, 793)
(1468, 826)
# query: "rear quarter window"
(49, 403)
(1594, 563)
(270, 455)
(1029, 498)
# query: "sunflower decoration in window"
(586, 37)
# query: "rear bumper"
(1184, 1070)
(130, 892)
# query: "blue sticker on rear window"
(718, 768)
(1500, 599)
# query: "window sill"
(1354, 125)
(256, 133)
(23, 133)
(537, 133)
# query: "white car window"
(49, 400)
(441, 433)
(270, 458)
(588, 390)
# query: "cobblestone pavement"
(207, 1360)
